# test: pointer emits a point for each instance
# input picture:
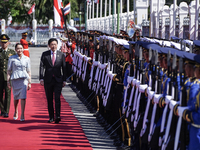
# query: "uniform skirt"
(19, 87)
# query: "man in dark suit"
(53, 77)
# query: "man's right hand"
(8, 85)
(42, 83)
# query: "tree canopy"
(43, 10)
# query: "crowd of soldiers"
(144, 91)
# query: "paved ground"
(92, 129)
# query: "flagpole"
(65, 22)
(34, 14)
(70, 11)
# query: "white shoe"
(15, 118)
(22, 119)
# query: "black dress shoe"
(50, 120)
(57, 120)
(2, 113)
(96, 114)
(6, 115)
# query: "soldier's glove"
(157, 97)
(130, 79)
(172, 104)
(142, 88)
(187, 115)
(181, 110)
(165, 100)
(137, 83)
(134, 82)
(147, 90)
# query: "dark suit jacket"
(47, 70)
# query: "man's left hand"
(64, 83)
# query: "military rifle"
(130, 79)
(137, 49)
(171, 120)
(141, 97)
(157, 111)
(168, 92)
(82, 44)
(148, 106)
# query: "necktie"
(53, 58)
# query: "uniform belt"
(195, 125)
(25, 49)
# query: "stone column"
(109, 7)
(165, 14)
(50, 28)
(105, 11)
(3, 26)
(127, 15)
(153, 8)
(92, 9)
(183, 12)
(171, 22)
(174, 17)
(120, 23)
(196, 19)
(34, 33)
(192, 19)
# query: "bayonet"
(140, 54)
(184, 46)
(150, 54)
(180, 66)
(156, 57)
(190, 48)
(174, 62)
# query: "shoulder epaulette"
(125, 64)
(187, 80)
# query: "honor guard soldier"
(191, 112)
(91, 39)
(25, 44)
(5, 53)
(196, 49)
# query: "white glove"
(137, 83)
(168, 98)
(134, 82)
(181, 110)
(142, 88)
(151, 94)
(148, 90)
(172, 104)
(130, 79)
(157, 98)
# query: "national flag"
(96, 1)
(32, 9)
(89, 2)
(58, 16)
(67, 9)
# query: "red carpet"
(35, 133)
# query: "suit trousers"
(4, 104)
(53, 90)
